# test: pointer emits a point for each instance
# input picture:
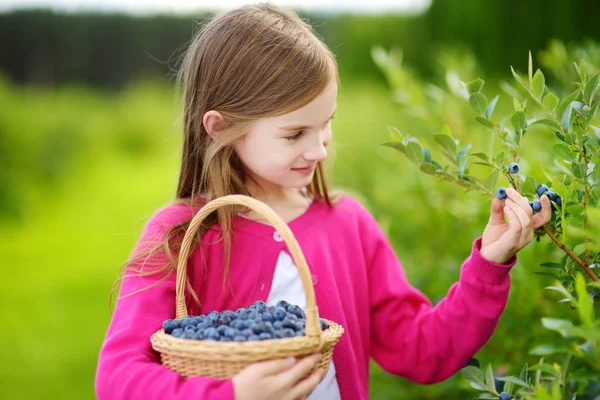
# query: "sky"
(186, 6)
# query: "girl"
(259, 93)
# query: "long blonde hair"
(253, 62)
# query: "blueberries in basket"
(283, 304)
(324, 324)
(257, 322)
(169, 325)
(295, 310)
(279, 313)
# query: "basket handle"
(313, 328)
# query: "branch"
(571, 254)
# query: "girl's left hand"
(502, 240)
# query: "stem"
(571, 254)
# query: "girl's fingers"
(305, 387)
(274, 367)
(519, 200)
(545, 214)
(513, 222)
(300, 370)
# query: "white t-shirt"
(288, 286)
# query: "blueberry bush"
(567, 367)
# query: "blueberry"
(212, 314)
(504, 396)
(169, 325)
(513, 168)
(287, 323)
(283, 304)
(189, 334)
(551, 195)
(230, 314)
(247, 332)
(299, 325)
(241, 312)
(224, 320)
(231, 332)
(211, 334)
(277, 325)
(324, 324)
(279, 313)
(541, 189)
(271, 309)
(258, 328)
(239, 338)
(237, 324)
(253, 338)
(190, 328)
(178, 332)
(501, 193)
(300, 332)
(536, 205)
(199, 335)
(259, 306)
(287, 332)
(559, 202)
(295, 310)
(265, 336)
(267, 316)
(251, 314)
(187, 322)
(221, 329)
(498, 384)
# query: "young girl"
(260, 91)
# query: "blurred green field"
(86, 169)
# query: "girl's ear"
(213, 121)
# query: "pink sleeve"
(128, 367)
(426, 344)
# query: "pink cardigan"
(358, 281)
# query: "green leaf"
(485, 122)
(491, 181)
(547, 349)
(563, 151)
(414, 152)
(446, 142)
(538, 83)
(517, 105)
(478, 102)
(514, 380)
(562, 106)
(566, 119)
(596, 173)
(584, 303)
(475, 86)
(463, 152)
(547, 368)
(550, 101)
(395, 145)
(578, 170)
(426, 155)
(499, 158)
(489, 378)
(490, 108)
(562, 290)
(395, 134)
(523, 376)
(590, 89)
(518, 121)
(552, 265)
(428, 168)
(530, 68)
(479, 155)
(473, 373)
(518, 78)
(530, 185)
(547, 122)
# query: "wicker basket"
(223, 360)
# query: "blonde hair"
(252, 62)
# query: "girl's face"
(281, 152)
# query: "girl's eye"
(295, 136)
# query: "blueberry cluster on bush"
(257, 322)
(536, 205)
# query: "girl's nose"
(317, 152)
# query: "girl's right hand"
(281, 379)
